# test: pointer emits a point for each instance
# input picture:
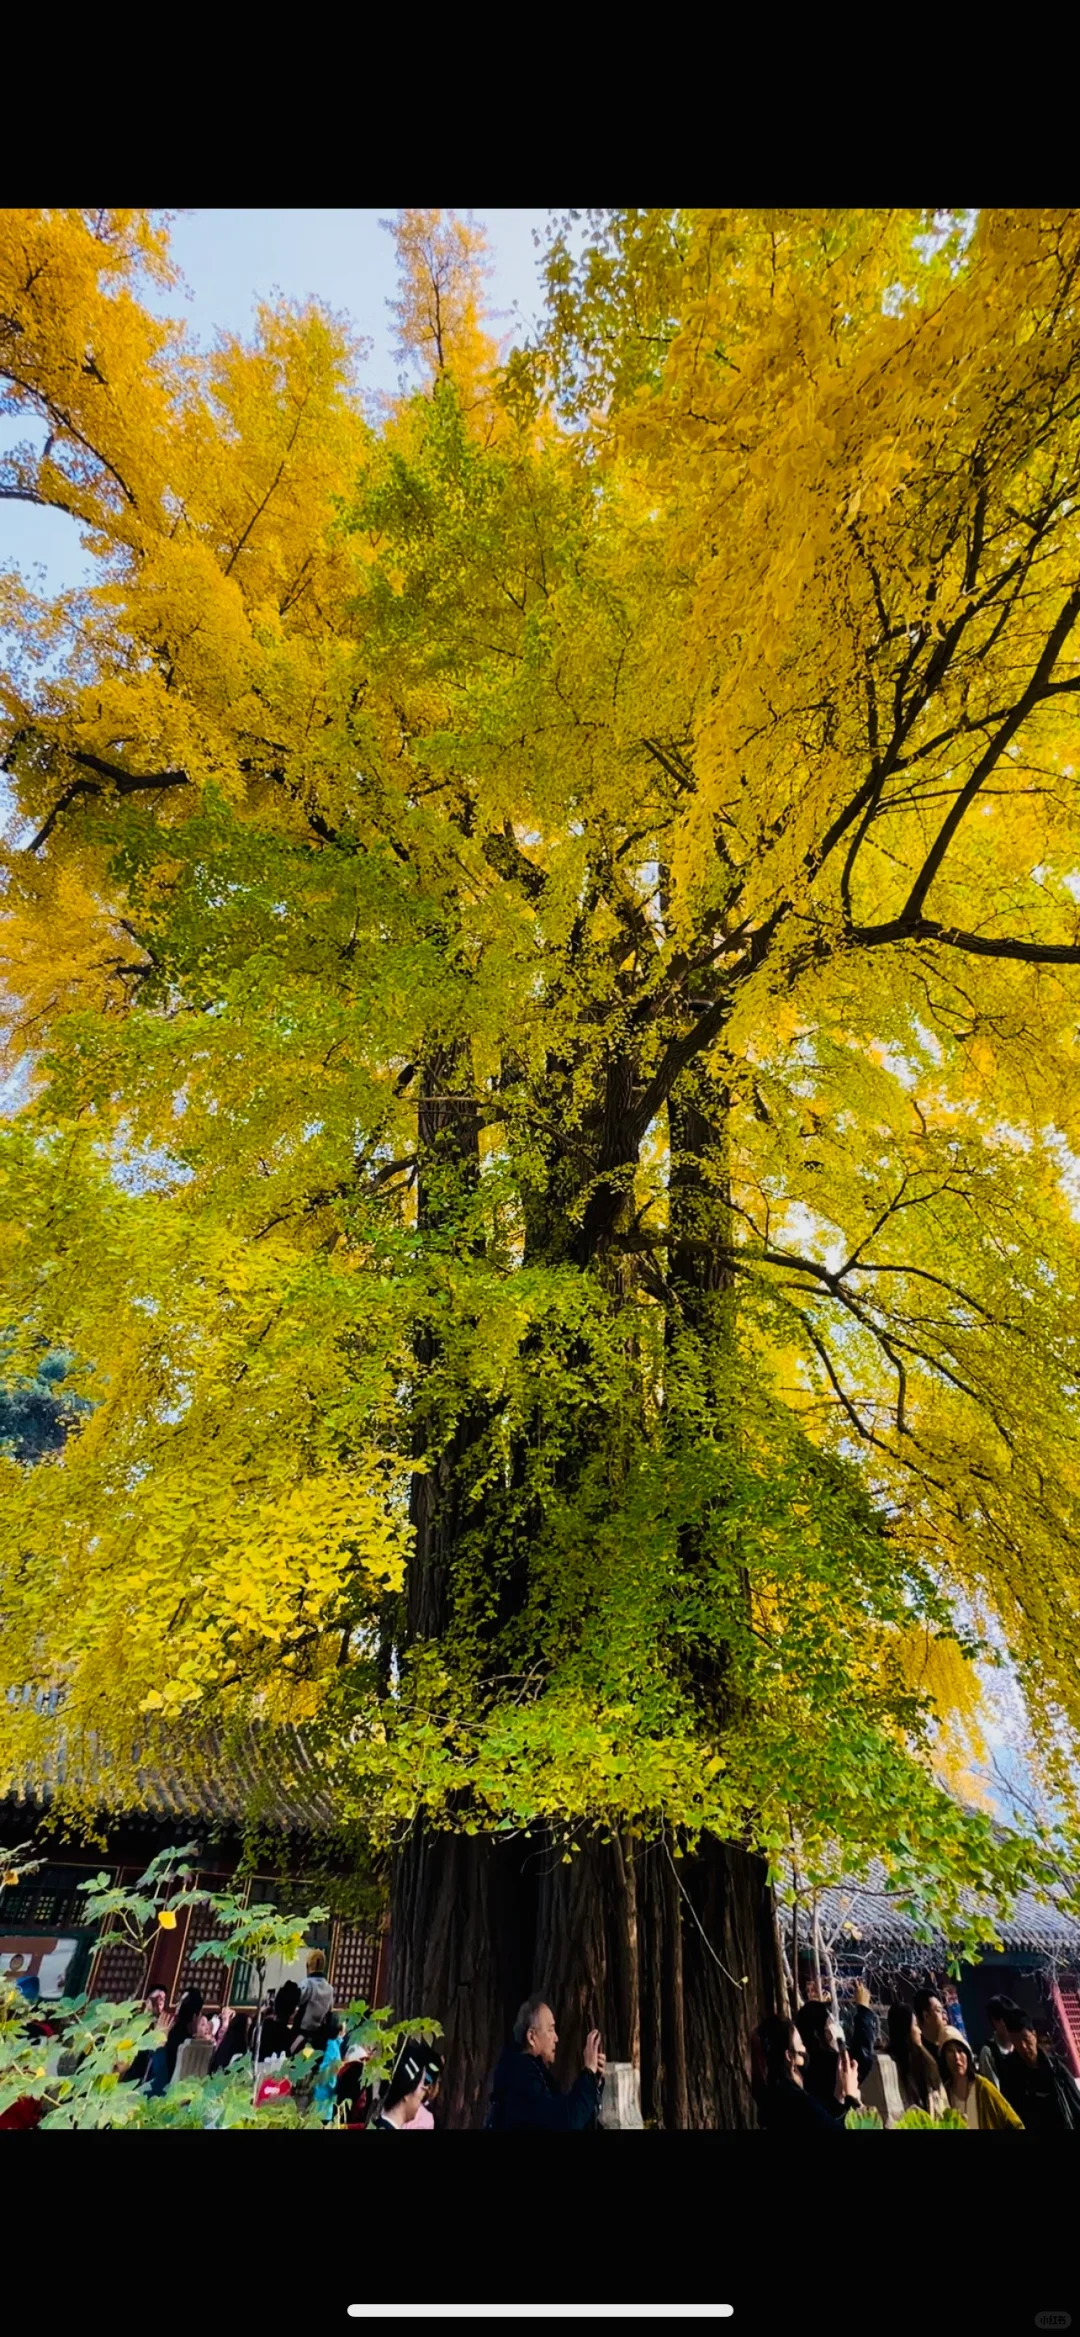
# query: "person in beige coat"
(907, 2076)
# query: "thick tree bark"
(612, 1942)
(730, 1972)
(448, 1156)
(586, 1949)
(706, 1927)
(664, 2097)
(462, 1927)
(728, 1939)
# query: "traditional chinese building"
(864, 1934)
(44, 1935)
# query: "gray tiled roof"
(876, 1921)
(280, 1785)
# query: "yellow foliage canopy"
(544, 938)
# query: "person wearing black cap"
(407, 2087)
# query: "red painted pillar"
(1067, 2030)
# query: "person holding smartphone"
(863, 2031)
(829, 2074)
(523, 2090)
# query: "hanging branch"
(794, 1924)
(830, 1979)
(745, 1981)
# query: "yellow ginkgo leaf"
(167, 1919)
(10, 1879)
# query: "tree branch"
(65, 423)
(123, 782)
(1028, 698)
(1033, 953)
(681, 1051)
(671, 762)
(504, 854)
(868, 1435)
(261, 507)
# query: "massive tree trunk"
(462, 1926)
(664, 2095)
(729, 1971)
(460, 1933)
(585, 1957)
(674, 1959)
(730, 1978)
(708, 1976)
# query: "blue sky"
(231, 260)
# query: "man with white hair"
(524, 2092)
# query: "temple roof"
(866, 1914)
(250, 1779)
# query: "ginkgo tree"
(544, 936)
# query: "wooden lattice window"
(49, 1898)
(120, 1972)
(209, 1974)
(354, 1964)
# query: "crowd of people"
(301, 2021)
(294, 2042)
(810, 2073)
(198, 2043)
(523, 2091)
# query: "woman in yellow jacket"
(979, 2101)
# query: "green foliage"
(135, 1912)
(17, 1863)
(253, 1934)
(865, 2119)
(383, 2036)
(79, 2077)
(920, 2118)
(223, 2100)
